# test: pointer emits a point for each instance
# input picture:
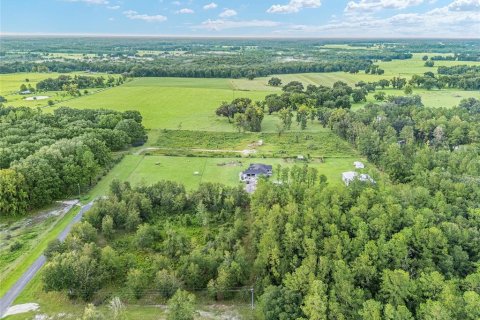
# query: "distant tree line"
(458, 70)
(201, 70)
(44, 157)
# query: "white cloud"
(113, 7)
(446, 21)
(294, 6)
(185, 11)
(373, 5)
(465, 5)
(134, 15)
(221, 24)
(176, 3)
(90, 1)
(111, 19)
(209, 6)
(228, 13)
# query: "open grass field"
(407, 68)
(170, 103)
(189, 104)
(290, 144)
(141, 169)
(10, 85)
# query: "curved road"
(17, 288)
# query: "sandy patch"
(37, 98)
(21, 308)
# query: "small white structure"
(349, 176)
(359, 165)
(300, 157)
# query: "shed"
(359, 165)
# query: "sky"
(244, 18)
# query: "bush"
(166, 283)
(181, 306)
(15, 246)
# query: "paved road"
(17, 288)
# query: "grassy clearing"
(447, 98)
(15, 271)
(164, 105)
(291, 144)
(141, 169)
(10, 85)
(407, 68)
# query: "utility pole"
(78, 184)
(252, 293)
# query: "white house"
(359, 165)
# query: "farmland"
(171, 212)
(10, 84)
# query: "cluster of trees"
(44, 157)
(136, 239)
(456, 70)
(66, 83)
(245, 115)
(374, 69)
(294, 98)
(467, 81)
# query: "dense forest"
(44, 157)
(403, 248)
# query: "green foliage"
(181, 306)
(75, 271)
(45, 157)
(136, 282)
(167, 283)
(275, 82)
(13, 193)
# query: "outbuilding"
(359, 165)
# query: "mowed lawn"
(170, 103)
(191, 171)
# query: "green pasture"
(149, 169)
(407, 68)
(10, 85)
(189, 104)
(170, 103)
(445, 98)
(289, 144)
